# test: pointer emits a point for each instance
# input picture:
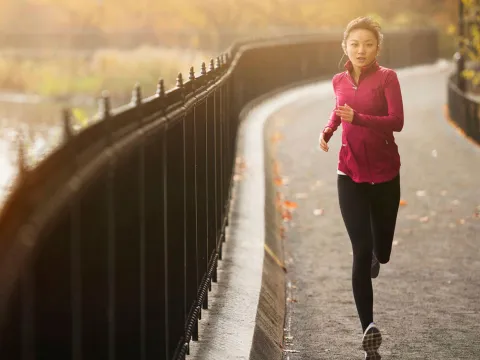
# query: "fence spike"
(204, 69)
(137, 95)
(212, 65)
(105, 104)
(192, 74)
(161, 88)
(67, 125)
(22, 161)
(217, 63)
(179, 80)
(227, 58)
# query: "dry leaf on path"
(286, 215)
(278, 181)
(424, 219)
(403, 202)
(277, 137)
(290, 204)
(421, 193)
(318, 212)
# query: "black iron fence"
(464, 109)
(109, 246)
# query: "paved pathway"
(427, 299)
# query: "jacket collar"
(373, 66)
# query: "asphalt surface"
(426, 300)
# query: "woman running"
(370, 108)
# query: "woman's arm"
(394, 120)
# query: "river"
(38, 121)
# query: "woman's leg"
(385, 201)
(355, 209)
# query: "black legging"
(370, 214)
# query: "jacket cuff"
(357, 119)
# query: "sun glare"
(7, 169)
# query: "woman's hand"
(345, 112)
(323, 144)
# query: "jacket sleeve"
(394, 120)
(334, 120)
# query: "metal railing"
(464, 110)
(109, 246)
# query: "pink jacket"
(368, 152)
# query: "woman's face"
(362, 47)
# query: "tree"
(469, 43)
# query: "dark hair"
(366, 23)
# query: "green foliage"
(470, 43)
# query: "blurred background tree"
(69, 50)
(469, 44)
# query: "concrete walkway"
(427, 299)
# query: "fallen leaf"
(421, 193)
(286, 215)
(395, 243)
(290, 204)
(318, 212)
(434, 153)
(403, 202)
(424, 219)
(278, 181)
(277, 137)
(461, 221)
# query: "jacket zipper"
(355, 87)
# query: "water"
(32, 119)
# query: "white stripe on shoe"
(372, 339)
